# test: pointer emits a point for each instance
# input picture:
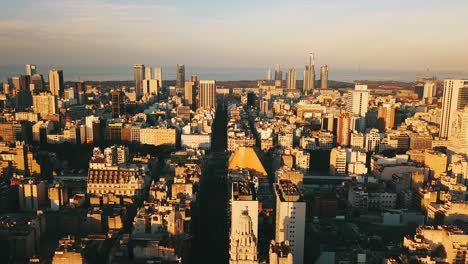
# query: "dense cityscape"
(277, 170)
(233, 132)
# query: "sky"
(366, 34)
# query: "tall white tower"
(455, 98)
(243, 245)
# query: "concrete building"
(138, 77)
(291, 79)
(455, 98)
(180, 81)
(280, 253)
(357, 103)
(117, 103)
(158, 136)
(32, 195)
(158, 76)
(243, 242)
(189, 93)
(44, 104)
(56, 85)
(386, 117)
(338, 161)
(290, 218)
(324, 77)
(31, 69)
(207, 94)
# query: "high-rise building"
(269, 74)
(32, 195)
(38, 82)
(194, 78)
(158, 75)
(430, 89)
(309, 75)
(207, 94)
(343, 129)
(189, 93)
(291, 79)
(56, 85)
(45, 104)
(324, 77)
(373, 139)
(138, 76)
(357, 104)
(118, 105)
(243, 244)
(338, 161)
(386, 117)
(31, 69)
(290, 218)
(278, 73)
(459, 137)
(147, 72)
(455, 98)
(180, 76)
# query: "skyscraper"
(207, 93)
(56, 85)
(139, 76)
(290, 217)
(278, 73)
(291, 79)
(357, 103)
(31, 69)
(38, 82)
(194, 78)
(455, 98)
(309, 74)
(324, 77)
(386, 117)
(117, 99)
(158, 75)
(243, 242)
(45, 104)
(180, 76)
(305, 82)
(188, 93)
(147, 72)
(269, 74)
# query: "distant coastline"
(125, 72)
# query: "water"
(125, 72)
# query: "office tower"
(459, 137)
(207, 93)
(373, 139)
(32, 195)
(430, 89)
(324, 77)
(31, 69)
(58, 196)
(158, 75)
(243, 242)
(343, 129)
(194, 78)
(269, 74)
(309, 74)
(56, 85)
(80, 87)
(291, 79)
(386, 117)
(455, 98)
(23, 100)
(45, 104)
(117, 100)
(338, 161)
(139, 76)
(357, 104)
(38, 82)
(189, 92)
(305, 82)
(180, 76)
(147, 73)
(290, 218)
(278, 73)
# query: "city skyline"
(362, 34)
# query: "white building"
(290, 218)
(44, 104)
(357, 103)
(207, 94)
(455, 98)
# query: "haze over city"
(351, 36)
(240, 132)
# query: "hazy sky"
(372, 34)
